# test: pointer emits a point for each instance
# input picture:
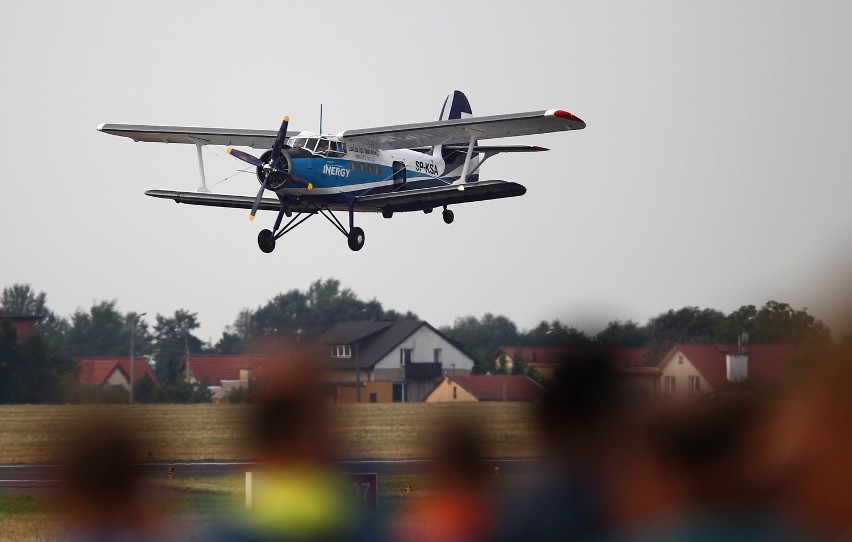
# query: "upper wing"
(196, 135)
(443, 132)
(429, 198)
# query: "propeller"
(269, 167)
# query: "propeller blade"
(279, 139)
(245, 157)
(256, 203)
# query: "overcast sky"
(714, 171)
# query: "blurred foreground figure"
(819, 492)
(458, 511)
(709, 470)
(102, 489)
(297, 493)
(583, 423)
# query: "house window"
(455, 389)
(669, 386)
(694, 385)
(404, 356)
(341, 351)
(374, 398)
(436, 355)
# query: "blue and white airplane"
(390, 169)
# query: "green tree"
(556, 334)
(482, 337)
(145, 390)
(172, 337)
(519, 366)
(104, 331)
(22, 299)
(33, 370)
(297, 315)
(621, 334)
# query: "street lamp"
(132, 360)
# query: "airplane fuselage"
(357, 169)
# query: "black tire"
(448, 216)
(386, 213)
(266, 241)
(356, 238)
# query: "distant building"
(113, 371)
(545, 360)
(23, 323)
(411, 355)
(226, 373)
(473, 388)
(695, 370)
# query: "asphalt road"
(38, 480)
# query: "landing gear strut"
(354, 235)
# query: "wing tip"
(574, 121)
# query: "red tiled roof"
(501, 387)
(217, 368)
(555, 355)
(767, 363)
(96, 371)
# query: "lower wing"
(399, 202)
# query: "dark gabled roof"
(374, 339)
(352, 332)
(501, 387)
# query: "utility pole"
(186, 349)
(132, 352)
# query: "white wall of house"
(677, 366)
(423, 343)
(117, 378)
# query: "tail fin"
(456, 106)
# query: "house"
(545, 360)
(23, 323)
(113, 371)
(410, 354)
(473, 388)
(225, 373)
(695, 370)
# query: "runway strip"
(38, 480)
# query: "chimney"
(742, 343)
(737, 366)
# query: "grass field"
(35, 433)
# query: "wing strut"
(203, 187)
(466, 167)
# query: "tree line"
(42, 368)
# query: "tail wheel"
(356, 238)
(266, 241)
(448, 216)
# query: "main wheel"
(356, 238)
(266, 241)
(387, 213)
(448, 216)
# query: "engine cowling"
(274, 175)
